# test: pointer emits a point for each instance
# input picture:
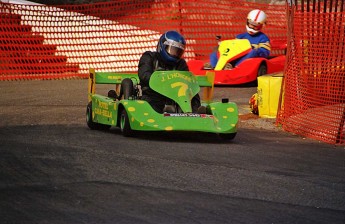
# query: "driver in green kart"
(170, 49)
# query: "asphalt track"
(53, 169)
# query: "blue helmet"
(171, 46)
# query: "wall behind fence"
(314, 83)
(44, 42)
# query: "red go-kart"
(247, 71)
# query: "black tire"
(93, 125)
(127, 89)
(227, 137)
(125, 125)
(262, 70)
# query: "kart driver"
(168, 56)
(260, 42)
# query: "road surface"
(53, 169)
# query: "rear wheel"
(262, 70)
(227, 137)
(90, 123)
(125, 125)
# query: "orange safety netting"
(314, 79)
(43, 42)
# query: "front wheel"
(125, 125)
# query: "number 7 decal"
(182, 90)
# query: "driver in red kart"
(168, 56)
(260, 42)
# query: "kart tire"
(227, 137)
(125, 125)
(90, 123)
(127, 89)
(262, 70)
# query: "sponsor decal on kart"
(188, 115)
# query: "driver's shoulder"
(148, 57)
(152, 54)
(182, 65)
(241, 36)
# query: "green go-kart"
(124, 108)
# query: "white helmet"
(255, 21)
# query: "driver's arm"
(145, 68)
(261, 46)
(182, 65)
(263, 49)
(260, 50)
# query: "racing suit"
(150, 62)
(260, 46)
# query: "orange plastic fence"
(45, 42)
(314, 83)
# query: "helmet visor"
(174, 49)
